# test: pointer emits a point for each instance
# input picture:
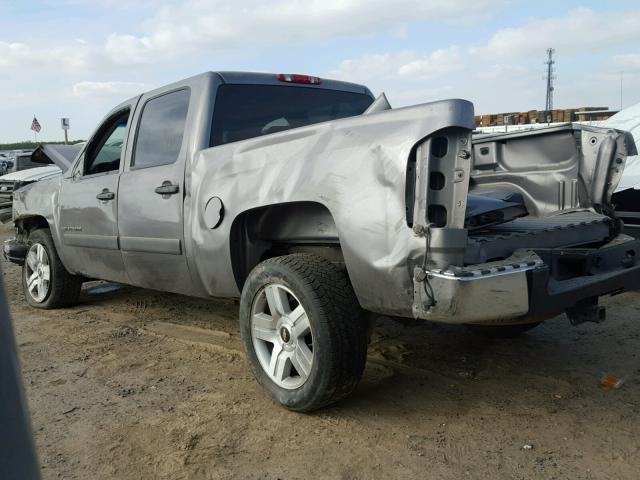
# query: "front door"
(151, 195)
(88, 204)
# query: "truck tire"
(502, 331)
(303, 330)
(45, 281)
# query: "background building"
(581, 114)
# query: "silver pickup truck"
(314, 202)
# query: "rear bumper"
(536, 284)
(15, 251)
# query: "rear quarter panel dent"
(355, 167)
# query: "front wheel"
(303, 331)
(45, 280)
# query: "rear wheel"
(303, 330)
(502, 331)
(45, 281)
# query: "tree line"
(29, 145)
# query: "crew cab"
(314, 203)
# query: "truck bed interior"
(542, 189)
(577, 228)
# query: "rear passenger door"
(151, 194)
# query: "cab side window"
(161, 129)
(105, 149)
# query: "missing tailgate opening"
(436, 181)
(437, 215)
(439, 147)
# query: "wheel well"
(280, 229)
(28, 224)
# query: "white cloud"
(580, 31)
(77, 55)
(372, 66)
(410, 77)
(502, 71)
(127, 49)
(174, 38)
(180, 37)
(407, 77)
(404, 94)
(10, 53)
(438, 63)
(122, 90)
(188, 26)
(627, 63)
(407, 65)
(196, 24)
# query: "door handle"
(105, 195)
(167, 188)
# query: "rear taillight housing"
(297, 78)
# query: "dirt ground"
(136, 384)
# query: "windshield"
(247, 111)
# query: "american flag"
(35, 125)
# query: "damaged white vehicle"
(314, 203)
(14, 180)
(31, 170)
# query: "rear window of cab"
(248, 111)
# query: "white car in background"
(627, 196)
(14, 180)
(43, 155)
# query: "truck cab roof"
(272, 79)
(259, 78)
(205, 85)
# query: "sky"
(79, 58)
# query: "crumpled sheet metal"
(355, 167)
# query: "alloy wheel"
(282, 336)
(38, 272)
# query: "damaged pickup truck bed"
(314, 202)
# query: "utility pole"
(621, 90)
(550, 77)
